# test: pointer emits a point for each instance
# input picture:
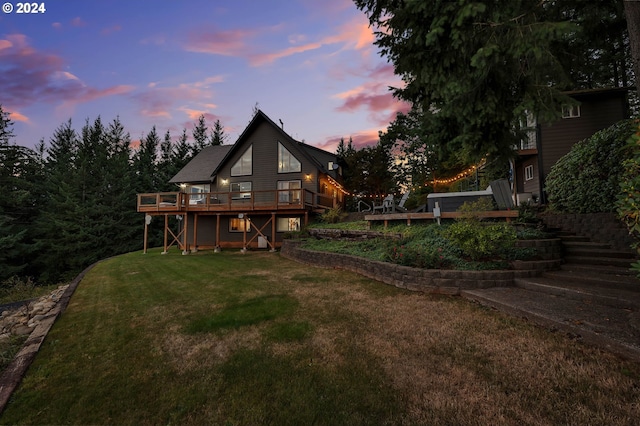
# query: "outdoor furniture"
(386, 206)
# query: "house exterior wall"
(206, 231)
(265, 163)
(596, 113)
(531, 186)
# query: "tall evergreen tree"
(217, 134)
(145, 163)
(58, 225)
(20, 180)
(473, 68)
(199, 135)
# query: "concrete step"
(600, 276)
(598, 252)
(585, 245)
(599, 260)
(572, 238)
(615, 329)
(600, 292)
(599, 269)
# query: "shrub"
(332, 215)
(587, 179)
(478, 241)
(628, 202)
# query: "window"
(288, 224)
(287, 163)
(289, 191)
(239, 225)
(571, 111)
(196, 195)
(240, 190)
(243, 167)
(528, 172)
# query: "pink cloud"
(354, 35)
(16, 116)
(195, 97)
(29, 76)
(226, 43)
(57, 25)
(360, 140)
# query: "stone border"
(15, 371)
(441, 281)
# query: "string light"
(463, 174)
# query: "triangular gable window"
(243, 167)
(287, 163)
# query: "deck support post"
(217, 248)
(185, 234)
(195, 233)
(273, 232)
(166, 230)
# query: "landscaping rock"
(23, 319)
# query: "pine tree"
(217, 134)
(199, 134)
(20, 180)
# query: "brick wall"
(599, 227)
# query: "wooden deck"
(493, 214)
(253, 201)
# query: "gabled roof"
(206, 165)
(199, 169)
(311, 153)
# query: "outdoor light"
(307, 177)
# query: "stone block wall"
(599, 227)
(426, 280)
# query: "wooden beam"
(166, 230)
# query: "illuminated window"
(243, 166)
(285, 224)
(287, 163)
(289, 191)
(239, 225)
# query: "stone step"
(601, 293)
(599, 324)
(599, 260)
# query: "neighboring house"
(545, 144)
(250, 193)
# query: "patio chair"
(386, 206)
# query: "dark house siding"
(265, 163)
(595, 114)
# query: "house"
(546, 144)
(249, 194)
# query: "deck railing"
(282, 199)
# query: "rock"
(22, 330)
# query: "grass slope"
(257, 339)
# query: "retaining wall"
(599, 227)
(442, 281)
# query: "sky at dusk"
(311, 64)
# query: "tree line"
(72, 201)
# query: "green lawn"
(257, 339)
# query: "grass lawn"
(235, 339)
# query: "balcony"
(253, 201)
